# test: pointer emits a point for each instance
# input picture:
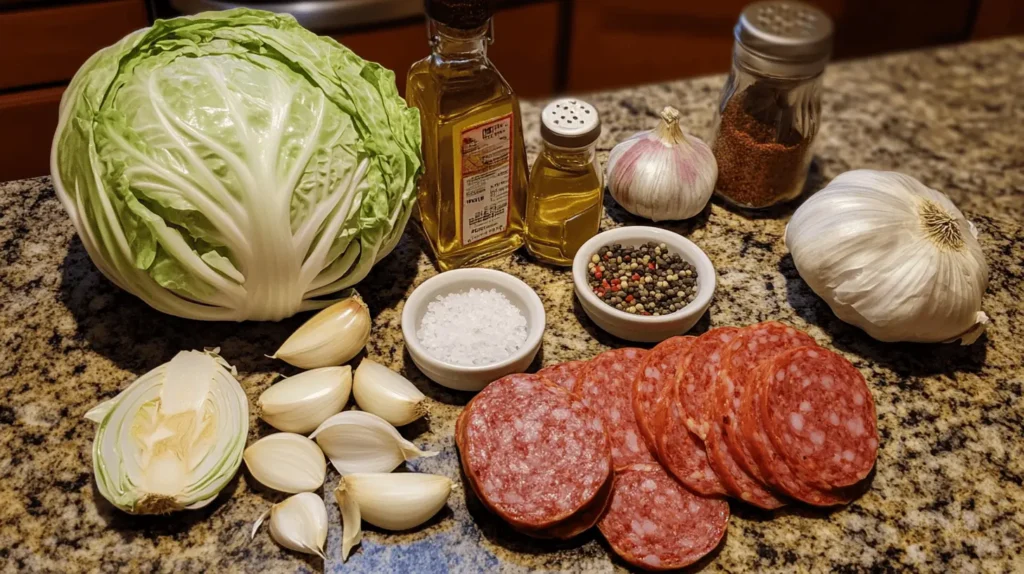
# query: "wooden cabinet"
(40, 50)
(525, 47)
(626, 42)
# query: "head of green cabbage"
(233, 165)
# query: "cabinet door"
(47, 45)
(524, 49)
(626, 42)
(27, 122)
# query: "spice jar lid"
(570, 123)
(784, 37)
(461, 14)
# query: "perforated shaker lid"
(570, 123)
(784, 31)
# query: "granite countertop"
(948, 492)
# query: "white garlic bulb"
(664, 173)
(893, 257)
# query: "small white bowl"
(463, 378)
(642, 328)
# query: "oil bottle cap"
(570, 123)
(461, 14)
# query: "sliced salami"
(697, 381)
(658, 372)
(773, 467)
(681, 451)
(820, 416)
(656, 524)
(742, 355)
(606, 388)
(564, 374)
(737, 481)
(533, 454)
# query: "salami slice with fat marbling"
(820, 416)
(698, 377)
(564, 374)
(776, 470)
(533, 454)
(742, 355)
(606, 388)
(658, 371)
(654, 523)
(681, 451)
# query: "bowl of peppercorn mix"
(643, 284)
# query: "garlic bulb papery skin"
(385, 393)
(664, 173)
(358, 441)
(394, 501)
(893, 257)
(299, 404)
(174, 438)
(287, 462)
(298, 523)
(332, 337)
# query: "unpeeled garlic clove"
(298, 523)
(358, 441)
(397, 501)
(286, 462)
(385, 393)
(300, 403)
(332, 337)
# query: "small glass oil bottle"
(472, 195)
(564, 201)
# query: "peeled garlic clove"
(358, 441)
(286, 462)
(298, 523)
(332, 337)
(398, 501)
(300, 403)
(385, 393)
(664, 173)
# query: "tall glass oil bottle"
(472, 195)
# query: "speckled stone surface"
(947, 495)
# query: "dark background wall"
(543, 47)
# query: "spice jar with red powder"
(771, 103)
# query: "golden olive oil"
(563, 206)
(472, 196)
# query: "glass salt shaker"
(771, 103)
(563, 201)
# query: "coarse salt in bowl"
(480, 282)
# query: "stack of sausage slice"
(646, 444)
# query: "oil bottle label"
(483, 178)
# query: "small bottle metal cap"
(570, 123)
(783, 35)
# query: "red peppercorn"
(598, 275)
(616, 288)
(626, 258)
(616, 281)
(650, 266)
(629, 298)
(636, 277)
